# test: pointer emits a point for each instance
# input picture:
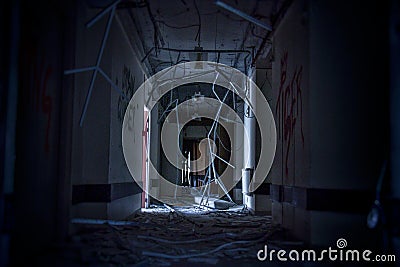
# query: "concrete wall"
(348, 115)
(41, 187)
(289, 97)
(170, 173)
(128, 76)
(334, 137)
(262, 197)
(289, 103)
(97, 145)
(345, 107)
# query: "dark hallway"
(199, 133)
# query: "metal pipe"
(147, 188)
(244, 15)
(275, 24)
(87, 100)
(99, 57)
(73, 71)
(102, 13)
(249, 122)
(221, 159)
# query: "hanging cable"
(198, 35)
(177, 27)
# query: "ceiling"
(160, 30)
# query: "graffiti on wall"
(128, 88)
(289, 109)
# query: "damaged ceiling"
(165, 32)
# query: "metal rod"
(215, 155)
(87, 100)
(99, 57)
(91, 22)
(73, 71)
(113, 85)
(105, 37)
(221, 184)
(244, 15)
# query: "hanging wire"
(198, 35)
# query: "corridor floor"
(178, 236)
(185, 236)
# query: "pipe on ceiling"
(244, 15)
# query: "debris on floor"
(164, 236)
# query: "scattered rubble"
(164, 236)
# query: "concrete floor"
(189, 236)
(159, 237)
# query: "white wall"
(290, 97)
(343, 120)
(97, 148)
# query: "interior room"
(199, 133)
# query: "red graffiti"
(289, 108)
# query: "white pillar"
(249, 148)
